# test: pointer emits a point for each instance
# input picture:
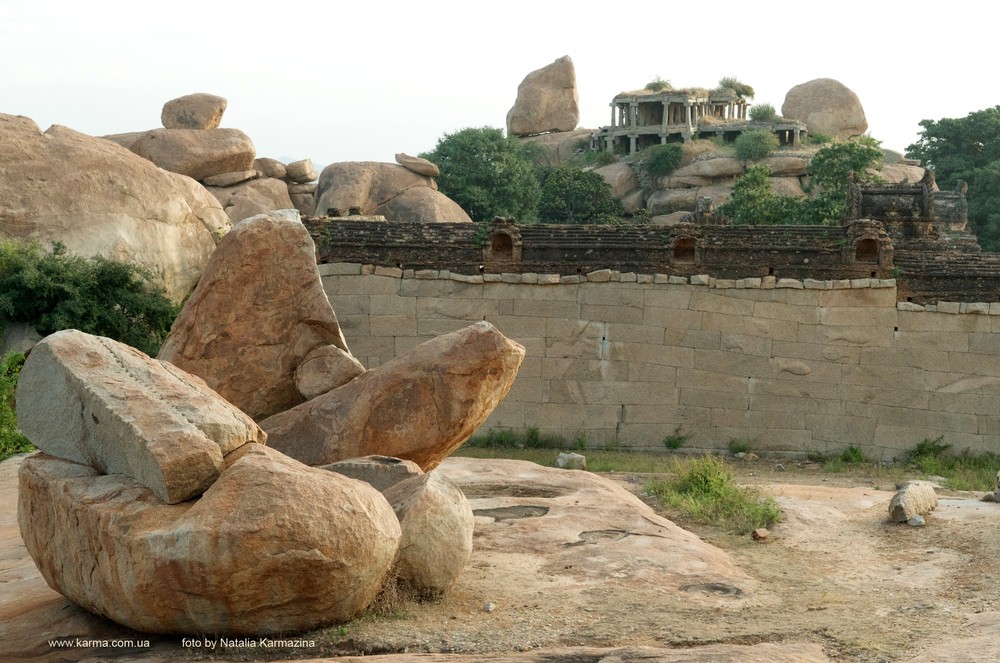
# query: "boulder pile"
(154, 500)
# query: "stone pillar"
(687, 116)
(633, 111)
(796, 138)
(613, 108)
(631, 145)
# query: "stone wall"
(624, 358)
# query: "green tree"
(577, 196)
(967, 149)
(830, 172)
(753, 202)
(57, 290)
(487, 174)
(763, 113)
(11, 439)
(662, 160)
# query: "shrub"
(705, 491)
(11, 440)
(753, 202)
(763, 113)
(676, 440)
(739, 445)
(658, 84)
(743, 90)
(58, 290)
(853, 456)
(755, 145)
(662, 160)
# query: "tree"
(830, 172)
(967, 149)
(570, 195)
(753, 202)
(486, 173)
(663, 159)
(755, 144)
(57, 290)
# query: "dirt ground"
(834, 572)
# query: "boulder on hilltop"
(547, 100)
(193, 111)
(828, 107)
(98, 198)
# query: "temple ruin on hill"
(909, 232)
(643, 118)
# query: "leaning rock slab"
(325, 368)
(437, 525)
(547, 100)
(420, 406)
(418, 165)
(99, 402)
(382, 472)
(914, 498)
(422, 205)
(193, 111)
(257, 312)
(272, 547)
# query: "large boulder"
(828, 107)
(257, 312)
(546, 101)
(620, 177)
(418, 165)
(557, 148)
(258, 196)
(420, 406)
(193, 111)
(96, 401)
(272, 547)
(98, 198)
(437, 526)
(197, 153)
(398, 193)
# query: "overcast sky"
(360, 81)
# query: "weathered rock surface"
(100, 199)
(828, 107)
(326, 367)
(667, 201)
(18, 337)
(259, 196)
(230, 179)
(557, 148)
(914, 498)
(383, 188)
(437, 525)
(300, 171)
(901, 173)
(620, 177)
(571, 461)
(547, 100)
(197, 153)
(418, 165)
(270, 167)
(99, 402)
(257, 312)
(420, 406)
(382, 472)
(193, 111)
(272, 547)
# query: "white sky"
(335, 81)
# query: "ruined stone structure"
(643, 118)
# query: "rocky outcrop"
(99, 402)
(420, 406)
(382, 472)
(557, 148)
(197, 153)
(99, 199)
(193, 111)
(547, 101)
(418, 165)
(256, 314)
(828, 107)
(270, 167)
(325, 368)
(620, 177)
(388, 189)
(301, 171)
(258, 196)
(437, 525)
(272, 547)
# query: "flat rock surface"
(835, 582)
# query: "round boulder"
(193, 111)
(828, 107)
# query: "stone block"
(627, 277)
(902, 396)
(599, 276)
(575, 278)
(548, 279)
(789, 283)
(949, 307)
(748, 345)
(459, 309)
(392, 325)
(677, 280)
(692, 378)
(529, 293)
(427, 326)
(516, 326)
(352, 304)
(889, 377)
(988, 344)
(713, 399)
(780, 330)
(569, 310)
(813, 284)
(841, 284)
(930, 360)
(736, 364)
(609, 392)
(909, 306)
(791, 312)
(641, 372)
(670, 318)
(629, 314)
(978, 308)
(930, 340)
(664, 355)
(757, 420)
(671, 298)
(492, 278)
(842, 431)
(661, 278)
(529, 278)
(724, 284)
(507, 277)
(367, 270)
(338, 268)
(858, 298)
(644, 278)
(666, 415)
(815, 352)
(560, 368)
(610, 295)
(467, 278)
(861, 283)
(694, 338)
(965, 403)
(699, 279)
(715, 302)
(392, 305)
(350, 284)
(647, 334)
(393, 272)
(974, 364)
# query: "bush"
(576, 196)
(662, 160)
(753, 202)
(742, 90)
(58, 290)
(676, 440)
(11, 440)
(755, 145)
(763, 113)
(658, 85)
(853, 456)
(705, 491)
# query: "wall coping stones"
(613, 276)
